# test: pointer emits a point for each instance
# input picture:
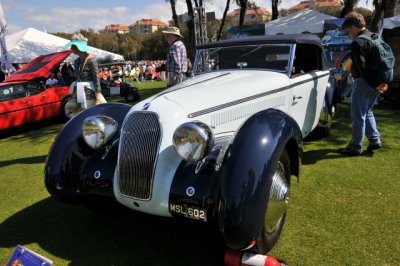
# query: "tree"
(380, 7)
(348, 7)
(274, 7)
(190, 43)
(221, 26)
(383, 9)
(153, 46)
(174, 15)
(243, 7)
(390, 9)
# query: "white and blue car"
(220, 147)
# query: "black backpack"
(381, 58)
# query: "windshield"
(275, 57)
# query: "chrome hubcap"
(278, 199)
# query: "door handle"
(43, 95)
(296, 97)
(26, 101)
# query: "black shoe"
(373, 147)
(349, 151)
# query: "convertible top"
(264, 39)
(272, 39)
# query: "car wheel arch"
(237, 234)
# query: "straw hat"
(172, 30)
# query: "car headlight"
(192, 141)
(98, 130)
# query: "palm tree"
(275, 12)
(174, 15)
(390, 8)
(190, 26)
(221, 26)
(383, 9)
(243, 6)
(348, 7)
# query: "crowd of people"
(137, 70)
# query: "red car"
(24, 96)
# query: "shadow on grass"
(27, 160)
(342, 130)
(33, 130)
(313, 156)
(107, 233)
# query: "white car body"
(219, 147)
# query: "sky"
(72, 15)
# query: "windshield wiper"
(252, 51)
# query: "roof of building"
(150, 21)
(117, 27)
(252, 11)
(317, 3)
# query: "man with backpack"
(372, 69)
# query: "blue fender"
(247, 174)
(71, 164)
(331, 95)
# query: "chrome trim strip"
(250, 98)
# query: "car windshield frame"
(277, 58)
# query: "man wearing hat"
(176, 64)
(86, 74)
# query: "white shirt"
(51, 81)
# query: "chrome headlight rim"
(97, 130)
(193, 140)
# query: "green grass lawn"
(344, 210)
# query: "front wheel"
(63, 115)
(277, 205)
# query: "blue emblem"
(146, 106)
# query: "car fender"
(331, 95)
(72, 167)
(247, 173)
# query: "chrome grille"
(140, 139)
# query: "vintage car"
(24, 96)
(117, 87)
(220, 147)
(114, 84)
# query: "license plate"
(188, 211)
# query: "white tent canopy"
(390, 23)
(27, 44)
(305, 20)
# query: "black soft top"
(265, 39)
(272, 39)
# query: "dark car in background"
(114, 84)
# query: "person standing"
(365, 90)
(85, 73)
(176, 64)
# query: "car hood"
(40, 67)
(213, 90)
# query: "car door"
(307, 99)
(309, 84)
(15, 108)
(45, 101)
